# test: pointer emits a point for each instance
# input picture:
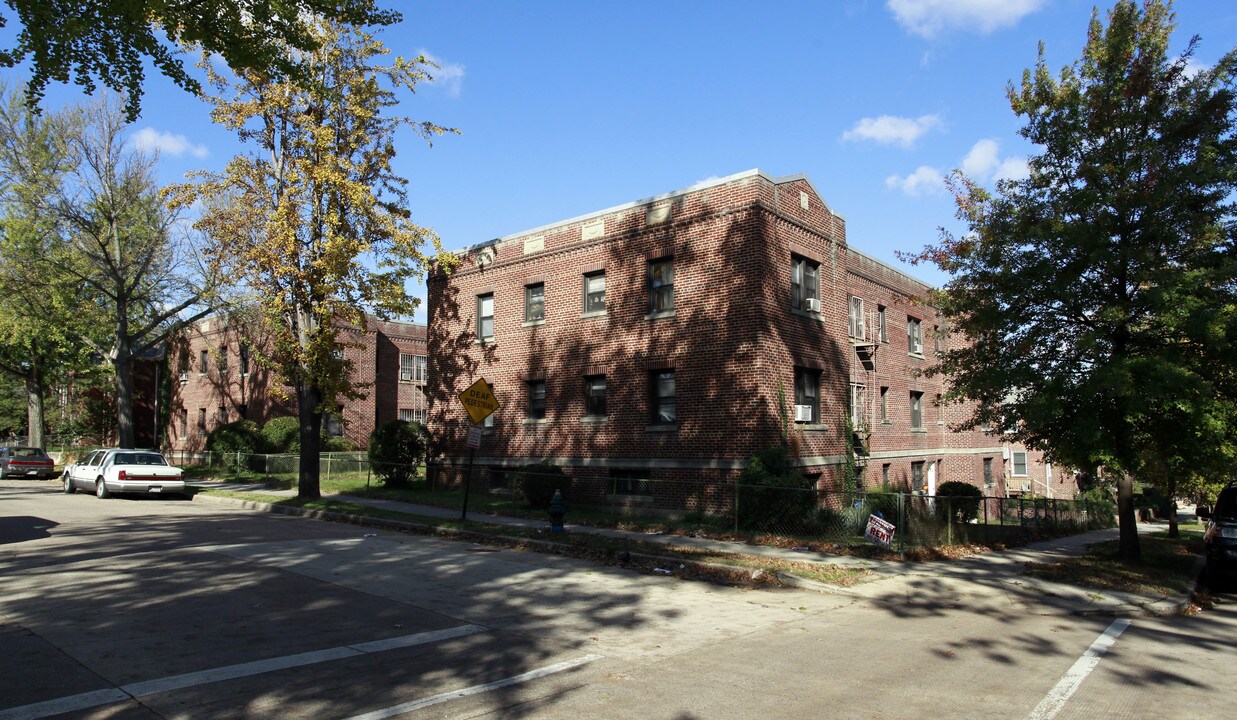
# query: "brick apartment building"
(651, 348)
(218, 377)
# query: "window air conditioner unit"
(803, 413)
(1004, 453)
(184, 377)
(1026, 487)
(811, 305)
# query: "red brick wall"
(262, 395)
(733, 341)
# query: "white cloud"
(1193, 67)
(984, 163)
(924, 181)
(891, 130)
(928, 18)
(166, 143)
(448, 75)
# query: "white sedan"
(123, 471)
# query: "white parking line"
(1069, 682)
(475, 689)
(96, 698)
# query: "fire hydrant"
(558, 508)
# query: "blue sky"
(566, 108)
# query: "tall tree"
(315, 224)
(108, 40)
(34, 309)
(1097, 294)
(137, 280)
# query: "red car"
(26, 462)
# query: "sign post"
(480, 403)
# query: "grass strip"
(1167, 565)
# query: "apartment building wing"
(669, 339)
(219, 377)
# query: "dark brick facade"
(207, 394)
(733, 340)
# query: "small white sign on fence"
(879, 531)
(474, 437)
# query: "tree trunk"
(1128, 547)
(124, 399)
(34, 408)
(308, 400)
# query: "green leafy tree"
(108, 40)
(35, 308)
(135, 281)
(315, 224)
(1096, 295)
(396, 449)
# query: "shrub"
(234, 437)
(958, 501)
(336, 444)
(282, 435)
(396, 449)
(537, 482)
(772, 493)
(1101, 506)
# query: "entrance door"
(931, 478)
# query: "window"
(858, 405)
(804, 282)
(917, 410)
(1019, 464)
(914, 336)
(881, 328)
(417, 416)
(940, 409)
(595, 292)
(884, 404)
(223, 360)
(243, 411)
(661, 391)
(937, 336)
(595, 395)
(222, 415)
(334, 422)
(917, 482)
(203, 361)
(412, 368)
(988, 482)
(202, 419)
(884, 475)
(184, 422)
(488, 422)
(856, 326)
(630, 482)
(244, 353)
(534, 303)
(485, 316)
(807, 394)
(536, 399)
(661, 285)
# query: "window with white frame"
(595, 395)
(410, 415)
(662, 398)
(1018, 462)
(804, 283)
(334, 422)
(856, 326)
(884, 404)
(412, 368)
(807, 395)
(595, 292)
(881, 328)
(914, 336)
(485, 316)
(534, 303)
(917, 410)
(858, 405)
(661, 285)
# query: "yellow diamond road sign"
(479, 401)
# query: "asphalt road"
(164, 608)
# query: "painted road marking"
(1069, 682)
(96, 698)
(475, 689)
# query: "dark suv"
(1220, 538)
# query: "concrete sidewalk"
(990, 583)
